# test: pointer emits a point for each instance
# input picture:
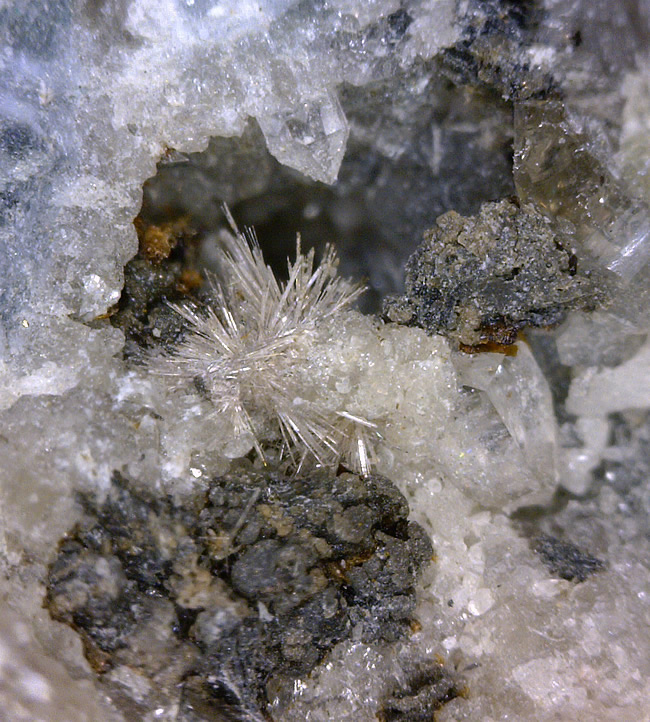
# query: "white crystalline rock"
(544, 680)
(92, 96)
(486, 594)
(533, 648)
(611, 374)
(598, 392)
(480, 602)
(397, 378)
(634, 154)
(434, 28)
(598, 339)
(402, 385)
(579, 462)
(51, 369)
(364, 13)
(530, 419)
(37, 688)
(520, 393)
(88, 192)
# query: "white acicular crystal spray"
(251, 351)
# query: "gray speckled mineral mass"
(234, 488)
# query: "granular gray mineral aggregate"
(492, 49)
(426, 688)
(480, 279)
(248, 584)
(565, 560)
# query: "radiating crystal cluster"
(254, 346)
(359, 123)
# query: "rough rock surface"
(426, 688)
(493, 49)
(143, 313)
(241, 587)
(420, 107)
(565, 560)
(479, 280)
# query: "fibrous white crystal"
(253, 349)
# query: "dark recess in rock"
(455, 151)
(565, 560)
(143, 312)
(251, 581)
(628, 471)
(479, 280)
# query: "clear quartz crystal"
(557, 168)
(518, 390)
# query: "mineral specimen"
(427, 688)
(494, 49)
(248, 584)
(247, 348)
(566, 560)
(556, 167)
(357, 123)
(479, 280)
(143, 313)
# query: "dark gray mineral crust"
(143, 312)
(565, 560)
(426, 688)
(242, 589)
(492, 49)
(479, 280)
